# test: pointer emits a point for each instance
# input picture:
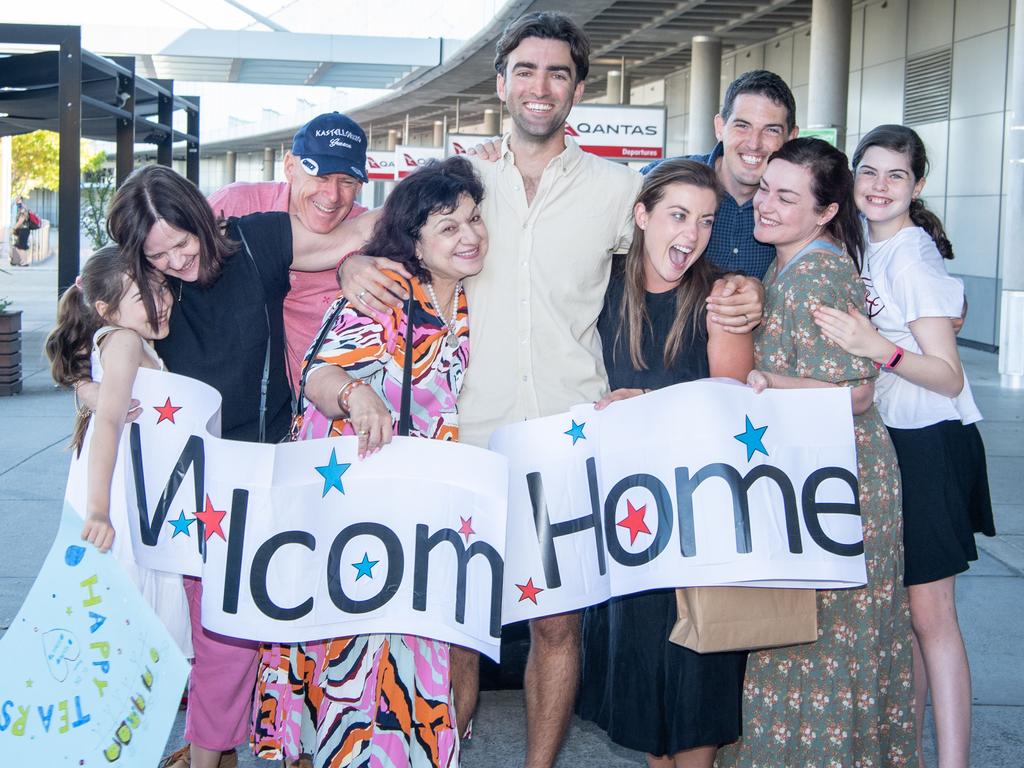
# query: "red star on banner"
(166, 411)
(634, 521)
(528, 591)
(211, 519)
(467, 527)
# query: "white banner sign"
(408, 159)
(304, 540)
(698, 484)
(461, 143)
(701, 483)
(380, 165)
(618, 132)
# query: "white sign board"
(618, 132)
(698, 484)
(408, 159)
(380, 165)
(704, 483)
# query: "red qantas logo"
(570, 131)
(409, 160)
(372, 163)
(458, 148)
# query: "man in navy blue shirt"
(758, 116)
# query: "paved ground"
(35, 427)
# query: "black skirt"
(652, 695)
(945, 498)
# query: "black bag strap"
(314, 350)
(265, 381)
(405, 414)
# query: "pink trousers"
(221, 685)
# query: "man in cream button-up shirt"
(535, 347)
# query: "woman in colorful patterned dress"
(383, 699)
(847, 699)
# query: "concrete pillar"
(1011, 320)
(830, 66)
(492, 126)
(618, 88)
(392, 139)
(268, 163)
(438, 133)
(230, 167)
(705, 87)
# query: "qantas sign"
(612, 131)
(618, 132)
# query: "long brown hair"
(831, 182)
(154, 192)
(69, 345)
(900, 138)
(692, 289)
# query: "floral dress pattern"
(376, 700)
(845, 701)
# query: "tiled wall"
(967, 151)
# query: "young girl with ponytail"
(102, 326)
(925, 401)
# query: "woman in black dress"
(676, 705)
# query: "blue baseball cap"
(331, 143)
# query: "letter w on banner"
(703, 483)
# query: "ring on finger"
(363, 432)
(746, 320)
(361, 295)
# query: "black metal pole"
(125, 159)
(69, 94)
(165, 116)
(192, 147)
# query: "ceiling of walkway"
(652, 36)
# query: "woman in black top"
(647, 693)
(227, 331)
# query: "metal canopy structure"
(76, 94)
(649, 39)
(271, 57)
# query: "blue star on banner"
(576, 432)
(331, 473)
(364, 567)
(182, 524)
(752, 438)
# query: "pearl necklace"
(451, 338)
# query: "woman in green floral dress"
(847, 699)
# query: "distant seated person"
(325, 171)
(25, 221)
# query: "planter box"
(10, 353)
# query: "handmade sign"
(698, 484)
(302, 541)
(93, 678)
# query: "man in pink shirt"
(325, 171)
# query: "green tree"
(35, 161)
(97, 191)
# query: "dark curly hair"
(435, 188)
(547, 25)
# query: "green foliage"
(97, 191)
(35, 161)
(4, 304)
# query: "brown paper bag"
(744, 618)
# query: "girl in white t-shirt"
(925, 401)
